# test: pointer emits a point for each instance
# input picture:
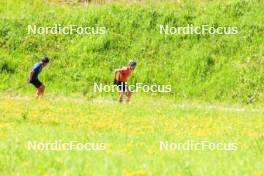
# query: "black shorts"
(121, 86)
(36, 83)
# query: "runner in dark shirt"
(33, 77)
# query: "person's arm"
(116, 71)
(30, 75)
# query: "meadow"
(217, 88)
(132, 134)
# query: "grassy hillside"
(210, 67)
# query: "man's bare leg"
(121, 95)
(129, 94)
(43, 90)
(40, 91)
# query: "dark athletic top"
(36, 71)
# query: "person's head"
(44, 61)
(132, 64)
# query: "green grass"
(208, 67)
(217, 83)
(132, 133)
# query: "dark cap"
(45, 59)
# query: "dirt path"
(110, 101)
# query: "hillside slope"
(210, 67)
